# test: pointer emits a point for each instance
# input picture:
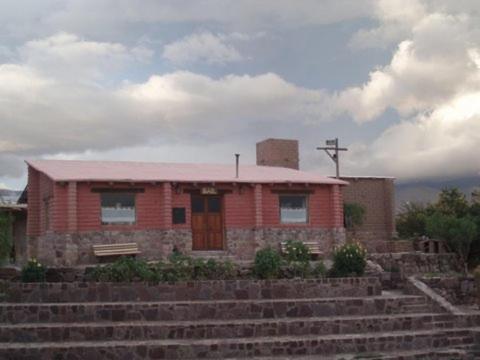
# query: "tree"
(457, 232)
(451, 201)
(6, 242)
(354, 215)
(412, 219)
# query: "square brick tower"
(278, 152)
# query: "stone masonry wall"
(417, 263)
(76, 249)
(240, 244)
(187, 291)
(458, 290)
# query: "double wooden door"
(207, 222)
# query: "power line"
(332, 145)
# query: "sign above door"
(209, 191)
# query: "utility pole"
(332, 145)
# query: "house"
(195, 208)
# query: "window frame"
(119, 223)
(184, 215)
(307, 209)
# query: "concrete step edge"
(206, 322)
(276, 339)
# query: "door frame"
(205, 214)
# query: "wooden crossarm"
(115, 249)
(311, 245)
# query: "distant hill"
(427, 191)
(9, 196)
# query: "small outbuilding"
(201, 209)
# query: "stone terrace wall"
(459, 290)
(417, 263)
(195, 290)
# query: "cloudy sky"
(187, 81)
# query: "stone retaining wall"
(413, 263)
(195, 290)
(457, 290)
(58, 250)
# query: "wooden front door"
(207, 222)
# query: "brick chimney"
(278, 152)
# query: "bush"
(125, 269)
(295, 269)
(349, 260)
(458, 233)
(267, 263)
(354, 215)
(297, 251)
(6, 241)
(179, 268)
(213, 270)
(33, 271)
(412, 219)
(319, 270)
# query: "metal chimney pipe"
(237, 160)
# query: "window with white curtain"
(118, 208)
(293, 209)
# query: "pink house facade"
(194, 208)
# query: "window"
(178, 215)
(198, 204)
(118, 208)
(214, 204)
(293, 209)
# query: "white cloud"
(68, 55)
(442, 143)
(435, 65)
(396, 19)
(204, 47)
(46, 112)
(111, 15)
(62, 94)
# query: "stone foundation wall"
(55, 249)
(412, 263)
(188, 291)
(459, 290)
(76, 249)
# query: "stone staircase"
(235, 320)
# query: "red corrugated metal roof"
(129, 171)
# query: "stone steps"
(464, 352)
(200, 310)
(243, 347)
(211, 329)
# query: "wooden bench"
(311, 245)
(116, 249)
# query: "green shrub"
(267, 263)
(33, 271)
(319, 270)
(6, 242)
(297, 251)
(296, 269)
(411, 221)
(354, 215)
(125, 269)
(349, 260)
(458, 233)
(180, 268)
(213, 270)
